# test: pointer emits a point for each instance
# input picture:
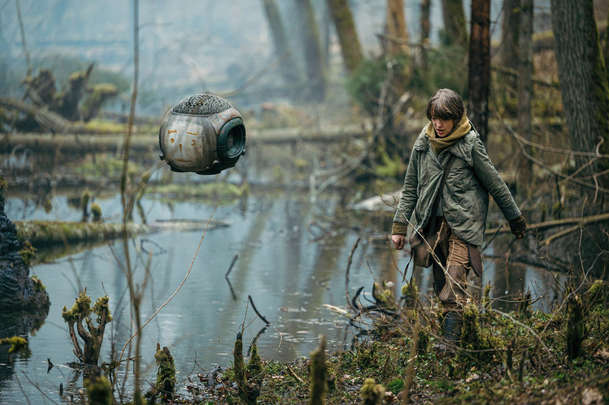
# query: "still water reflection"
(292, 258)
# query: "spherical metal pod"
(203, 133)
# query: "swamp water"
(292, 260)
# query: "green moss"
(319, 370)
(17, 344)
(99, 391)
(372, 393)
(166, 373)
(27, 253)
(96, 212)
(217, 190)
(38, 286)
(395, 385)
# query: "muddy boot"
(451, 327)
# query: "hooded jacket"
(471, 178)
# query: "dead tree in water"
(92, 336)
(479, 77)
(347, 34)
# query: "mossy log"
(49, 233)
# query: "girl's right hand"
(398, 241)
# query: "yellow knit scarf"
(438, 144)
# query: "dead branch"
(230, 268)
(249, 297)
(580, 221)
(347, 271)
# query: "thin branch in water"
(260, 332)
(38, 388)
(347, 271)
(27, 399)
(230, 268)
(249, 297)
(178, 288)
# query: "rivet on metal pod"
(203, 133)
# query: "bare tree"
(312, 48)
(425, 29)
(510, 31)
(525, 84)
(583, 79)
(289, 71)
(479, 66)
(454, 22)
(395, 28)
(347, 34)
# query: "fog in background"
(187, 46)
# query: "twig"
(293, 374)
(581, 221)
(230, 268)
(249, 297)
(260, 332)
(347, 271)
(38, 388)
(178, 288)
(560, 234)
(23, 391)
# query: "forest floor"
(521, 357)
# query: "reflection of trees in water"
(16, 324)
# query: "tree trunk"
(289, 71)
(455, 31)
(347, 34)
(525, 84)
(396, 28)
(607, 44)
(479, 66)
(583, 77)
(510, 30)
(425, 29)
(312, 47)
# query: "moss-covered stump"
(50, 233)
(17, 290)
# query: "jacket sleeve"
(408, 196)
(494, 184)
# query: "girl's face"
(442, 127)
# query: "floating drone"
(203, 133)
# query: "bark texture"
(313, 53)
(396, 28)
(479, 66)
(17, 290)
(455, 31)
(583, 76)
(425, 30)
(510, 31)
(525, 84)
(289, 70)
(347, 34)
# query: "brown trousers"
(453, 278)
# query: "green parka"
(470, 179)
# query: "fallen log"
(44, 234)
(579, 221)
